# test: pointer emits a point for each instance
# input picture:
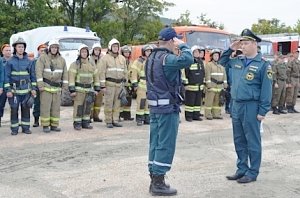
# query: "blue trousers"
(15, 102)
(163, 134)
(247, 139)
(2, 103)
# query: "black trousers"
(193, 101)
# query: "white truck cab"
(69, 38)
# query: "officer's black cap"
(249, 35)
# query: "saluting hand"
(235, 45)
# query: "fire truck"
(204, 36)
(284, 43)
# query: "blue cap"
(167, 34)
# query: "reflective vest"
(163, 97)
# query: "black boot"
(46, 129)
(280, 109)
(147, 119)
(275, 111)
(86, 125)
(150, 187)
(290, 109)
(139, 120)
(55, 128)
(77, 126)
(159, 187)
(36, 121)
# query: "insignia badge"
(249, 76)
(270, 74)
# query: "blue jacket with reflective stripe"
(250, 82)
(17, 70)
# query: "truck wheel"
(66, 99)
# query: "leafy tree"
(273, 26)
(203, 20)
(184, 19)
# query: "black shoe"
(128, 119)
(189, 119)
(46, 129)
(14, 133)
(234, 177)
(87, 125)
(55, 128)
(282, 111)
(276, 112)
(209, 118)
(97, 120)
(27, 131)
(290, 111)
(109, 125)
(159, 187)
(245, 179)
(150, 187)
(77, 127)
(116, 124)
(197, 119)
(36, 122)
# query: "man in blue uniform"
(20, 83)
(251, 92)
(163, 87)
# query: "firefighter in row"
(37, 102)
(194, 85)
(20, 87)
(279, 69)
(83, 86)
(293, 77)
(138, 80)
(125, 111)
(95, 60)
(5, 55)
(216, 82)
(52, 76)
(113, 74)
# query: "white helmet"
(53, 42)
(96, 45)
(111, 42)
(197, 47)
(82, 46)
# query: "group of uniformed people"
(286, 82)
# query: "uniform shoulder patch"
(270, 72)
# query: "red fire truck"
(284, 43)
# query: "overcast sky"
(237, 14)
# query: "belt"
(21, 82)
(83, 85)
(116, 80)
(52, 83)
(216, 81)
(281, 79)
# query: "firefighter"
(83, 85)
(293, 73)
(279, 85)
(216, 82)
(125, 111)
(37, 102)
(52, 75)
(20, 85)
(194, 86)
(5, 54)
(138, 80)
(113, 74)
(95, 59)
